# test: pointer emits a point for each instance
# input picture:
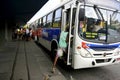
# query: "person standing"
(27, 34)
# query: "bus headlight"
(85, 53)
(117, 53)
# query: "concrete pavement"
(21, 60)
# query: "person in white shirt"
(27, 34)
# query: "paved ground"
(21, 60)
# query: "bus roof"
(52, 4)
(48, 7)
(113, 4)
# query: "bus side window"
(73, 21)
(57, 18)
(49, 20)
(44, 21)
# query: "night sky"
(19, 10)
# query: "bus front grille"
(101, 55)
(103, 60)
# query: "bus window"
(73, 16)
(57, 18)
(68, 17)
(73, 20)
(44, 21)
(41, 22)
(49, 20)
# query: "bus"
(94, 30)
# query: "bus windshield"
(99, 24)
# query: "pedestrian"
(23, 34)
(27, 34)
(62, 47)
(30, 33)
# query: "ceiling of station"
(19, 10)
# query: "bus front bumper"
(81, 62)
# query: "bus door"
(69, 20)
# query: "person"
(27, 34)
(23, 33)
(97, 26)
(20, 34)
(62, 47)
(100, 27)
(30, 33)
(90, 24)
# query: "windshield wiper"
(113, 16)
(106, 26)
(100, 16)
(98, 12)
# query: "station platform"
(24, 60)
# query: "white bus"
(94, 30)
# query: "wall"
(5, 31)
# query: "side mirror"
(81, 14)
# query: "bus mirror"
(81, 14)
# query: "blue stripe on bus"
(109, 46)
(50, 33)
